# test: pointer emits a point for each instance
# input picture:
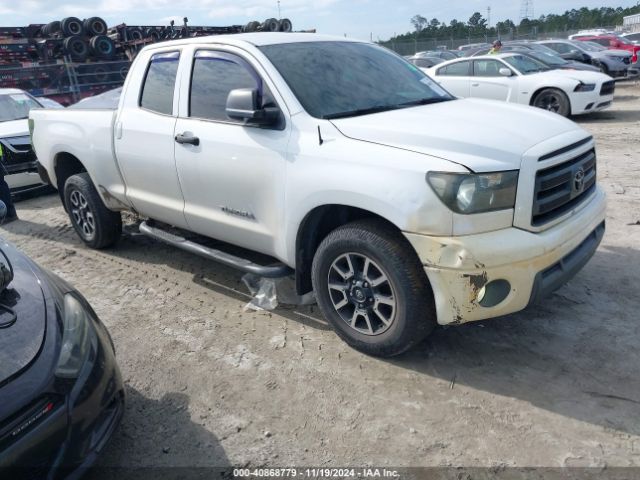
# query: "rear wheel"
(372, 289)
(94, 223)
(553, 100)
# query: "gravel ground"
(209, 384)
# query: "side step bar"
(274, 271)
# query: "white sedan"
(17, 157)
(518, 78)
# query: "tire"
(51, 28)
(553, 100)
(76, 48)
(270, 25)
(95, 26)
(152, 34)
(102, 47)
(285, 25)
(603, 69)
(71, 26)
(407, 305)
(252, 27)
(96, 225)
(134, 33)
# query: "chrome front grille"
(561, 188)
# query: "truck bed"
(87, 135)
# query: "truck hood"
(21, 341)
(482, 135)
(14, 128)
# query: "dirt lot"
(211, 385)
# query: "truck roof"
(257, 39)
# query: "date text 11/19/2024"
(315, 473)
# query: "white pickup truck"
(399, 205)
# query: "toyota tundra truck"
(398, 205)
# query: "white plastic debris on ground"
(268, 293)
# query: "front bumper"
(533, 264)
(581, 104)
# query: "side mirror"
(505, 72)
(243, 104)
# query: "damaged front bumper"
(488, 275)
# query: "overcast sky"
(355, 18)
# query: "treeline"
(477, 25)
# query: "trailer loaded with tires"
(71, 59)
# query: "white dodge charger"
(518, 78)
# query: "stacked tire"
(82, 39)
(270, 25)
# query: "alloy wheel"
(82, 214)
(362, 294)
(549, 101)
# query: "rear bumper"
(461, 269)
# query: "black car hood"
(21, 342)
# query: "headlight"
(475, 193)
(78, 337)
(585, 87)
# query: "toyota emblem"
(578, 180)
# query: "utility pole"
(526, 10)
(279, 14)
(489, 16)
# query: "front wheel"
(94, 223)
(553, 100)
(371, 287)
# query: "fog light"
(494, 293)
(481, 295)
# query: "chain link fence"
(442, 43)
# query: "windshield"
(542, 48)
(344, 79)
(548, 58)
(591, 46)
(16, 106)
(526, 65)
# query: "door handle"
(182, 139)
(475, 84)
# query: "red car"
(612, 42)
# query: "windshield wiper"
(425, 101)
(361, 111)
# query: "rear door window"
(160, 82)
(460, 69)
(559, 47)
(487, 68)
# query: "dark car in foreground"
(60, 387)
